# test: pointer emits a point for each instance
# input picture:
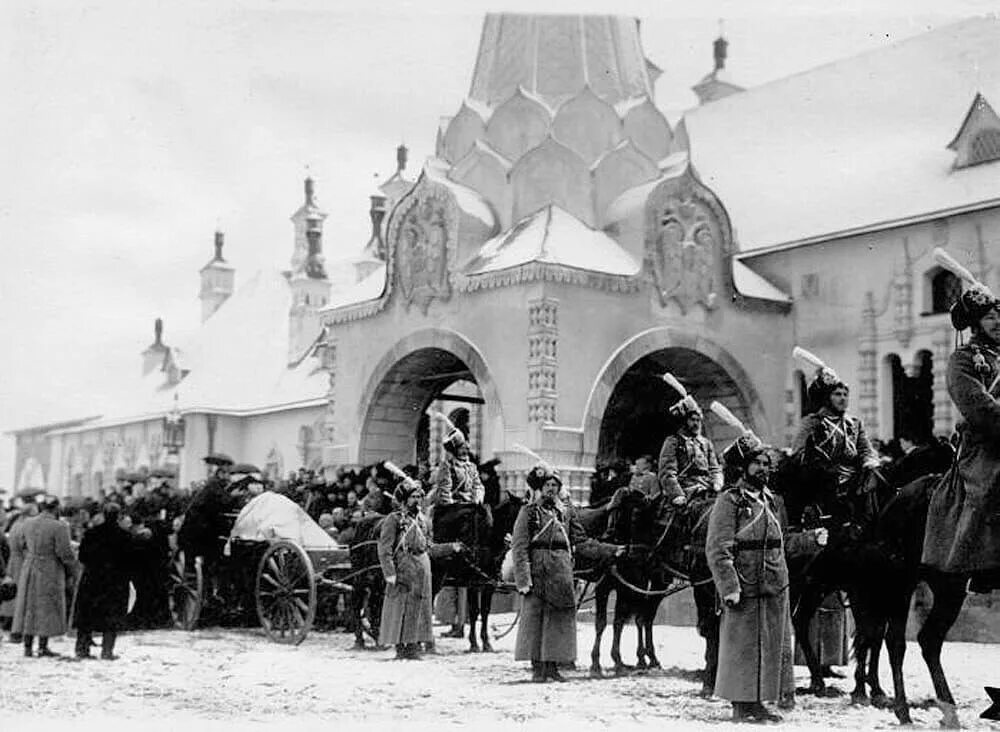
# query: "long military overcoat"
(542, 545)
(963, 522)
(14, 563)
(745, 550)
(40, 605)
(402, 553)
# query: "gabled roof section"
(553, 236)
(978, 139)
(856, 145)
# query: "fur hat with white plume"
(977, 299)
(686, 405)
(825, 380)
(543, 470)
(746, 447)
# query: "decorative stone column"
(328, 362)
(868, 366)
(543, 336)
(903, 292)
(944, 415)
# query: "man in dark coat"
(107, 554)
(963, 523)
(542, 544)
(40, 605)
(745, 549)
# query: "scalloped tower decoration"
(423, 235)
(685, 240)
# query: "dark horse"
(368, 582)
(483, 532)
(849, 513)
(663, 553)
(885, 588)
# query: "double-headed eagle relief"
(424, 236)
(682, 236)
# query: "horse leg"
(358, 598)
(600, 623)
(878, 695)
(650, 616)
(640, 641)
(485, 605)
(809, 601)
(895, 641)
(472, 605)
(864, 635)
(621, 617)
(949, 596)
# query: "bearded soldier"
(963, 523)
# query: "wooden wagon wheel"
(286, 592)
(185, 591)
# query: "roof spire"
(719, 48)
(219, 241)
(401, 152)
(158, 332)
(310, 192)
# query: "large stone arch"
(650, 342)
(389, 413)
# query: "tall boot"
(552, 671)
(537, 672)
(108, 639)
(29, 642)
(43, 648)
(83, 641)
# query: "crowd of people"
(126, 535)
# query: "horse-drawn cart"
(276, 564)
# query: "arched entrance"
(636, 420)
(432, 368)
(626, 413)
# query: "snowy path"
(217, 679)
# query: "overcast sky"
(131, 130)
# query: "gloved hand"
(679, 501)
(822, 536)
(457, 547)
(732, 599)
(391, 580)
(621, 551)
(524, 590)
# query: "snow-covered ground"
(221, 679)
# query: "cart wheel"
(286, 593)
(186, 591)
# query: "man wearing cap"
(40, 605)
(745, 550)
(688, 463)
(831, 446)
(542, 544)
(457, 479)
(963, 525)
(205, 522)
(402, 553)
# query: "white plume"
(674, 384)
(948, 262)
(439, 415)
(808, 357)
(395, 470)
(726, 416)
(539, 460)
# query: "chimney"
(217, 279)
(153, 356)
(375, 247)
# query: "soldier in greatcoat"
(542, 545)
(40, 605)
(107, 553)
(15, 529)
(963, 524)
(403, 546)
(745, 549)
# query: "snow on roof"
(553, 236)
(751, 284)
(854, 144)
(370, 288)
(467, 199)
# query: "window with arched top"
(946, 288)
